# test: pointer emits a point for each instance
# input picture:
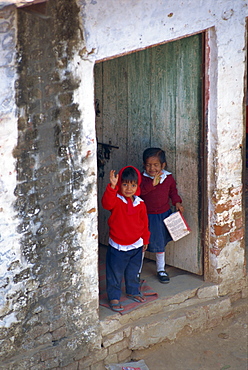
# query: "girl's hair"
(154, 152)
(129, 175)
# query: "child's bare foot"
(115, 305)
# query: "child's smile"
(153, 166)
(128, 189)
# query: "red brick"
(223, 207)
(220, 242)
(237, 215)
(221, 230)
(239, 223)
(237, 235)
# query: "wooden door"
(154, 98)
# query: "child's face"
(153, 166)
(128, 189)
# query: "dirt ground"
(221, 348)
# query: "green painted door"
(154, 98)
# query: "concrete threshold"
(182, 286)
(180, 304)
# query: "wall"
(49, 285)
(48, 212)
(129, 27)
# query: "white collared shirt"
(136, 201)
(162, 177)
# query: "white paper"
(176, 226)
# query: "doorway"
(149, 98)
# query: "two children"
(128, 235)
(128, 223)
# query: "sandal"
(116, 306)
(137, 298)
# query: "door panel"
(153, 98)
(187, 252)
(139, 124)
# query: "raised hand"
(113, 178)
(157, 178)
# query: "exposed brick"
(237, 235)
(237, 215)
(219, 242)
(239, 222)
(221, 230)
(221, 207)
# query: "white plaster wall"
(86, 223)
(117, 27)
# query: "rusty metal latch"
(103, 155)
(107, 149)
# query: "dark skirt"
(159, 234)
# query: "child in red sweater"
(158, 187)
(128, 235)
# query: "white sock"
(160, 261)
(143, 255)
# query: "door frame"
(203, 204)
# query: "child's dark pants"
(121, 264)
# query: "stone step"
(168, 326)
(115, 321)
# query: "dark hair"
(154, 152)
(129, 175)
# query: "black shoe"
(163, 277)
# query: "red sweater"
(157, 198)
(125, 228)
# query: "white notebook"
(177, 226)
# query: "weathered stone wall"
(49, 290)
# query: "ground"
(221, 348)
